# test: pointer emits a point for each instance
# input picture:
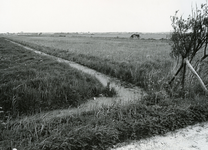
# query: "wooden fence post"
(198, 77)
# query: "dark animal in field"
(135, 36)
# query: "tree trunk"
(183, 79)
(176, 73)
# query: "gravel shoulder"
(190, 138)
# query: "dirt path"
(190, 138)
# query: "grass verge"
(103, 128)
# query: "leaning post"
(198, 77)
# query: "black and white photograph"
(103, 75)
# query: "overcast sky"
(90, 15)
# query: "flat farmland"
(100, 128)
(143, 63)
(114, 49)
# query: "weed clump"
(104, 127)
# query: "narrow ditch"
(192, 137)
(124, 94)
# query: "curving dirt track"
(190, 138)
(123, 94)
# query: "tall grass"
(30, 83)
(144, 63)
(124, 59)
(102, 128)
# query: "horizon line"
(81, 32)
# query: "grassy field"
(118, 50)
(130, 60)
(117, 35)
(30, 83)
(126, 35)
(102, 128)
(145, 63)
